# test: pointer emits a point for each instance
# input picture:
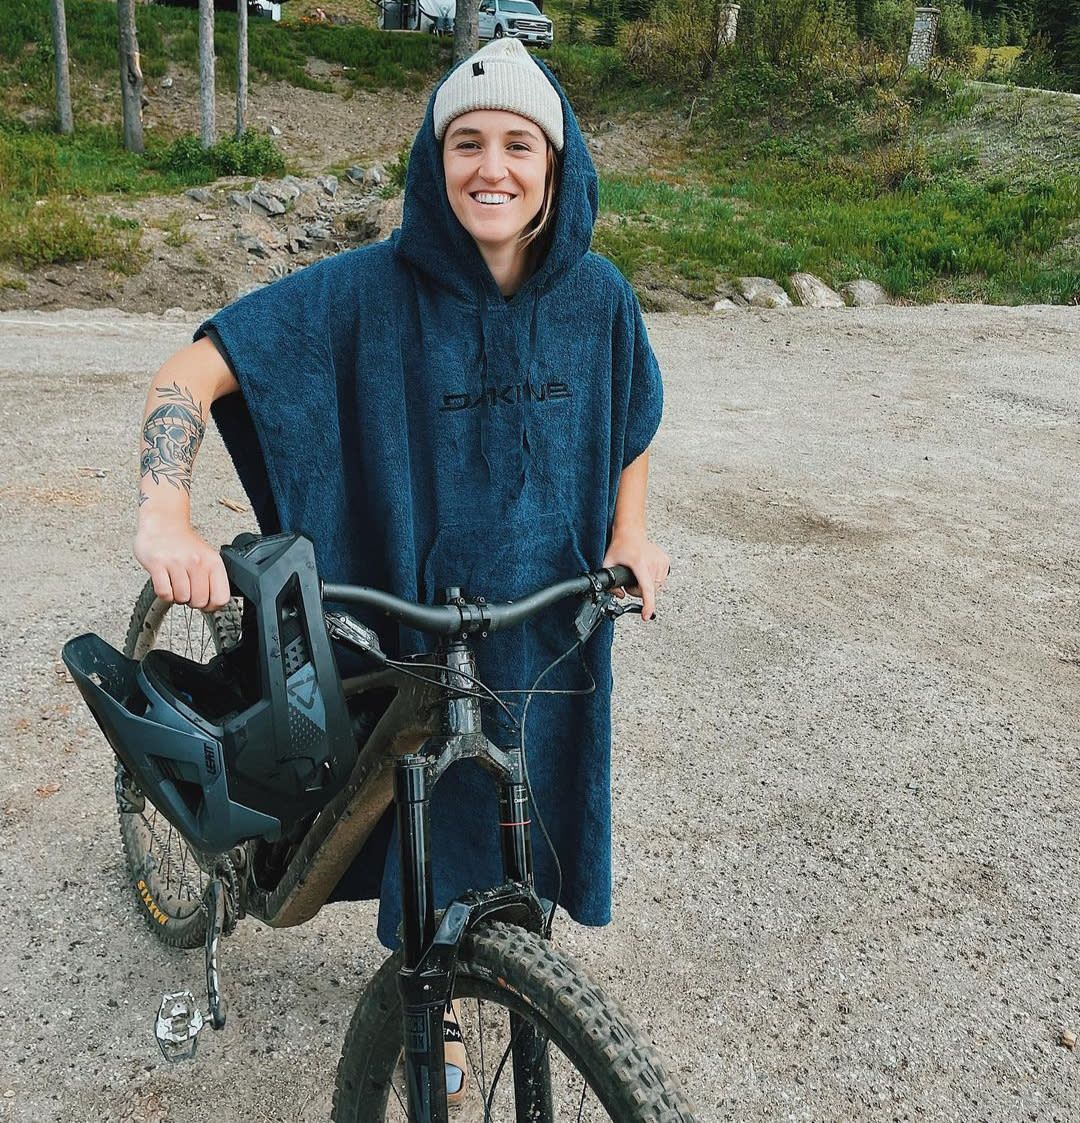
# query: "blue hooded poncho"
(425, 431)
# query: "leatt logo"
(509, 395)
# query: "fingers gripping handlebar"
(463, 617)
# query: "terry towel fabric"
(427, 432)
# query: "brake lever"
(592, 612)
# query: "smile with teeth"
(492, 198)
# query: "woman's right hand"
(184, 568)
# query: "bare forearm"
(630, 498)
(184, 568)
(174, 422)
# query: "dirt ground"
(846, 875)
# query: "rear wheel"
(507, 978)
(168, 875)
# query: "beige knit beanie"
(501, 75)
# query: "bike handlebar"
(462, 616)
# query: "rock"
(278, 270)
(273, 130)
(355, 174)
(199, 194)
(329, 183)
(861, 293)
(374, 176)
(760, 292)
(238, 199)
(166, 83)
(283, 191)
(318, 231)
(726, 291)
(203, 216)
(301, 185)
(724, 305)
(296, 239)
(252, 244)
(261, 228)
(307, 206)
(814, 293)
(263, 202)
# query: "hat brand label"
(477, 69)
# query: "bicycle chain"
(226, 869)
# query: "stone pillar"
(923, 37)
(728, 24)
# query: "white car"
(517, 19)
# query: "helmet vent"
(295, 656)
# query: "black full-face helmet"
(253, 741)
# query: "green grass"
(949, 239)
(169, 36)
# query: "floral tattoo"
(171, 437)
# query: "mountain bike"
(543, 1042)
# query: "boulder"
(238, 199)
(814, 293)
(726, 305)
(760, 292)
(252, 244)
(355, 174)
(199, 194)
(375, 176)
(861, 293)
(329, 183)
(282, 190)
(262, 202)
(726, 291)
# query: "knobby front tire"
(167, 874)
(602, 1069)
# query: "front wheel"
(600, 1068)
(498, 32)
(168, 875)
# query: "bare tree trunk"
(207, 95)
(131, 78)
(466, 29)
(65, 121)
(241, 66)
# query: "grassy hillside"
(935, 187)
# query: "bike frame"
(391, 767)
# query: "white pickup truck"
(517, 19)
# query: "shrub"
(54, 233)
(253, 154)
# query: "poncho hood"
(433, 240)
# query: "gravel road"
(847, 876)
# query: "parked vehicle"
(519, 19)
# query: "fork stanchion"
(422, 1013)
(515, 837)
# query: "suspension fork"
(423, 1001)
(532, 1072)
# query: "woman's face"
(496, 165)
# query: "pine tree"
(607, 30)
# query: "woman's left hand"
(649, 563)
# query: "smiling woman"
(499, 180)
(468, 405)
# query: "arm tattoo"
(171, 437)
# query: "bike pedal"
(177, 1026)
